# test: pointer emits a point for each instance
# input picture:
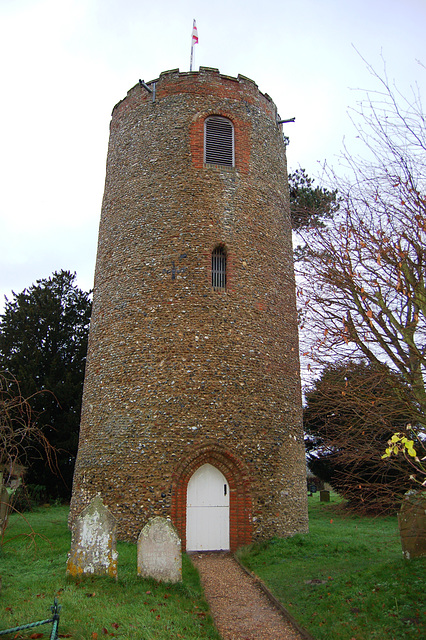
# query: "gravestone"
(159, 551)
(412, 524)
(4, 508)
(93, 542)
(324, 495)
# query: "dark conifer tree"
(351, 412)
(310, 205)
(43, 344)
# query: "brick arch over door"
(240, 507)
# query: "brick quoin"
(179, 375)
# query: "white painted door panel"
(207, 511)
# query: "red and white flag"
(194, 34)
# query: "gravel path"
(240, 609)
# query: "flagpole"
(194, 40)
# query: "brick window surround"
(235, 472)
(241, 141)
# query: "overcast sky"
(66, 63)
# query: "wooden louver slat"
(219, 141)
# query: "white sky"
(66, 63)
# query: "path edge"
(303, 632)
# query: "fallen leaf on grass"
(33, 636)
(105, 631)
(94, 635)
(115, 625)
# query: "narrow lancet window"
(219, 269)
(219, 141)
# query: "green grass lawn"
(346, 579)
(92, 608)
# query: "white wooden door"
(207, 510)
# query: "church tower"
(192, 402)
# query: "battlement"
(206, 81)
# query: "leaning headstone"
(159, 551)
(412, 524)
(93, 542)
(324, 495)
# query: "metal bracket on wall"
(282, 121)
(145, 86)
(286, 138)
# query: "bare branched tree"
(20, 437)
(362, 280)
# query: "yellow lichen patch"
(74, 570)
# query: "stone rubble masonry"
(179, 374)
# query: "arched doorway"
(207, 510)
(237, 477)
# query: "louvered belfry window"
(219, 269)
(219, 141)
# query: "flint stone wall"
(174, 367)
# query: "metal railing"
(54, 620)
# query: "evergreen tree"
(310, 205)
(43, 344)
(351, 413)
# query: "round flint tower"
(192, 405)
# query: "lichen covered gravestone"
(159, 551)
(412, 524)
(93, 542)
